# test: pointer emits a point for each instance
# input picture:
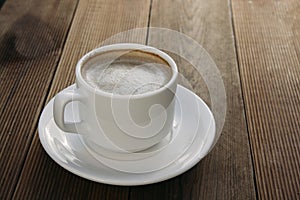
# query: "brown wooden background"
(255, 44)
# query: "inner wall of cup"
(114, 56)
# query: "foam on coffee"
(127, 73)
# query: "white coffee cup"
(117, 122)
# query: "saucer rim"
(193, 159)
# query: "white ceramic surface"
(119, 122)
(68, 150)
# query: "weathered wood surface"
(226, 173)
(32, 36)
(94, 21)
(268, 35)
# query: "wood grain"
(226, 173)
(32, 35)
(268, 35)
(94, 21)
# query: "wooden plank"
(226, 173)
(93, 22)
(29, 32)
(268, 35)
(31, 38)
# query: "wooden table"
(255, 44)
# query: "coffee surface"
(127, 77)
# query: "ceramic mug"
(117, 122)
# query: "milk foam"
(129, 77)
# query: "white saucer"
(69, 152)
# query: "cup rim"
(126, 46)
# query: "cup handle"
(60, 102)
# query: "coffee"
(127, 73)
(121, 123)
